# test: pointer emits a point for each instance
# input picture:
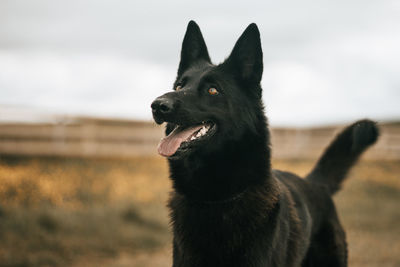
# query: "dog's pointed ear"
(193, 47)
(246, 59)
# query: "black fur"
(229, 208)
(341, 155)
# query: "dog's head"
(211, 104)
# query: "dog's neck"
(226, 173)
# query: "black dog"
(229, 208)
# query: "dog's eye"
(213, 91)
(178, 87)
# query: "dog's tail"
(343, 153)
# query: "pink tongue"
(170, 144)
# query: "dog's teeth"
(203, 130)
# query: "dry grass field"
(111, 212)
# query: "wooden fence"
(117, 138)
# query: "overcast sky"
(325, 61)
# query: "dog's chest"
(224, 233)
(207, 227)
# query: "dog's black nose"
(162, 105)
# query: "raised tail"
(343, 153)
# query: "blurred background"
(80, 181)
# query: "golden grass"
(111, 212)
(71, 182)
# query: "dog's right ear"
(194, 48)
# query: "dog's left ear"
(194, 48)
(246, 59)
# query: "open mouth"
(184, 138)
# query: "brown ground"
(111, 212)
